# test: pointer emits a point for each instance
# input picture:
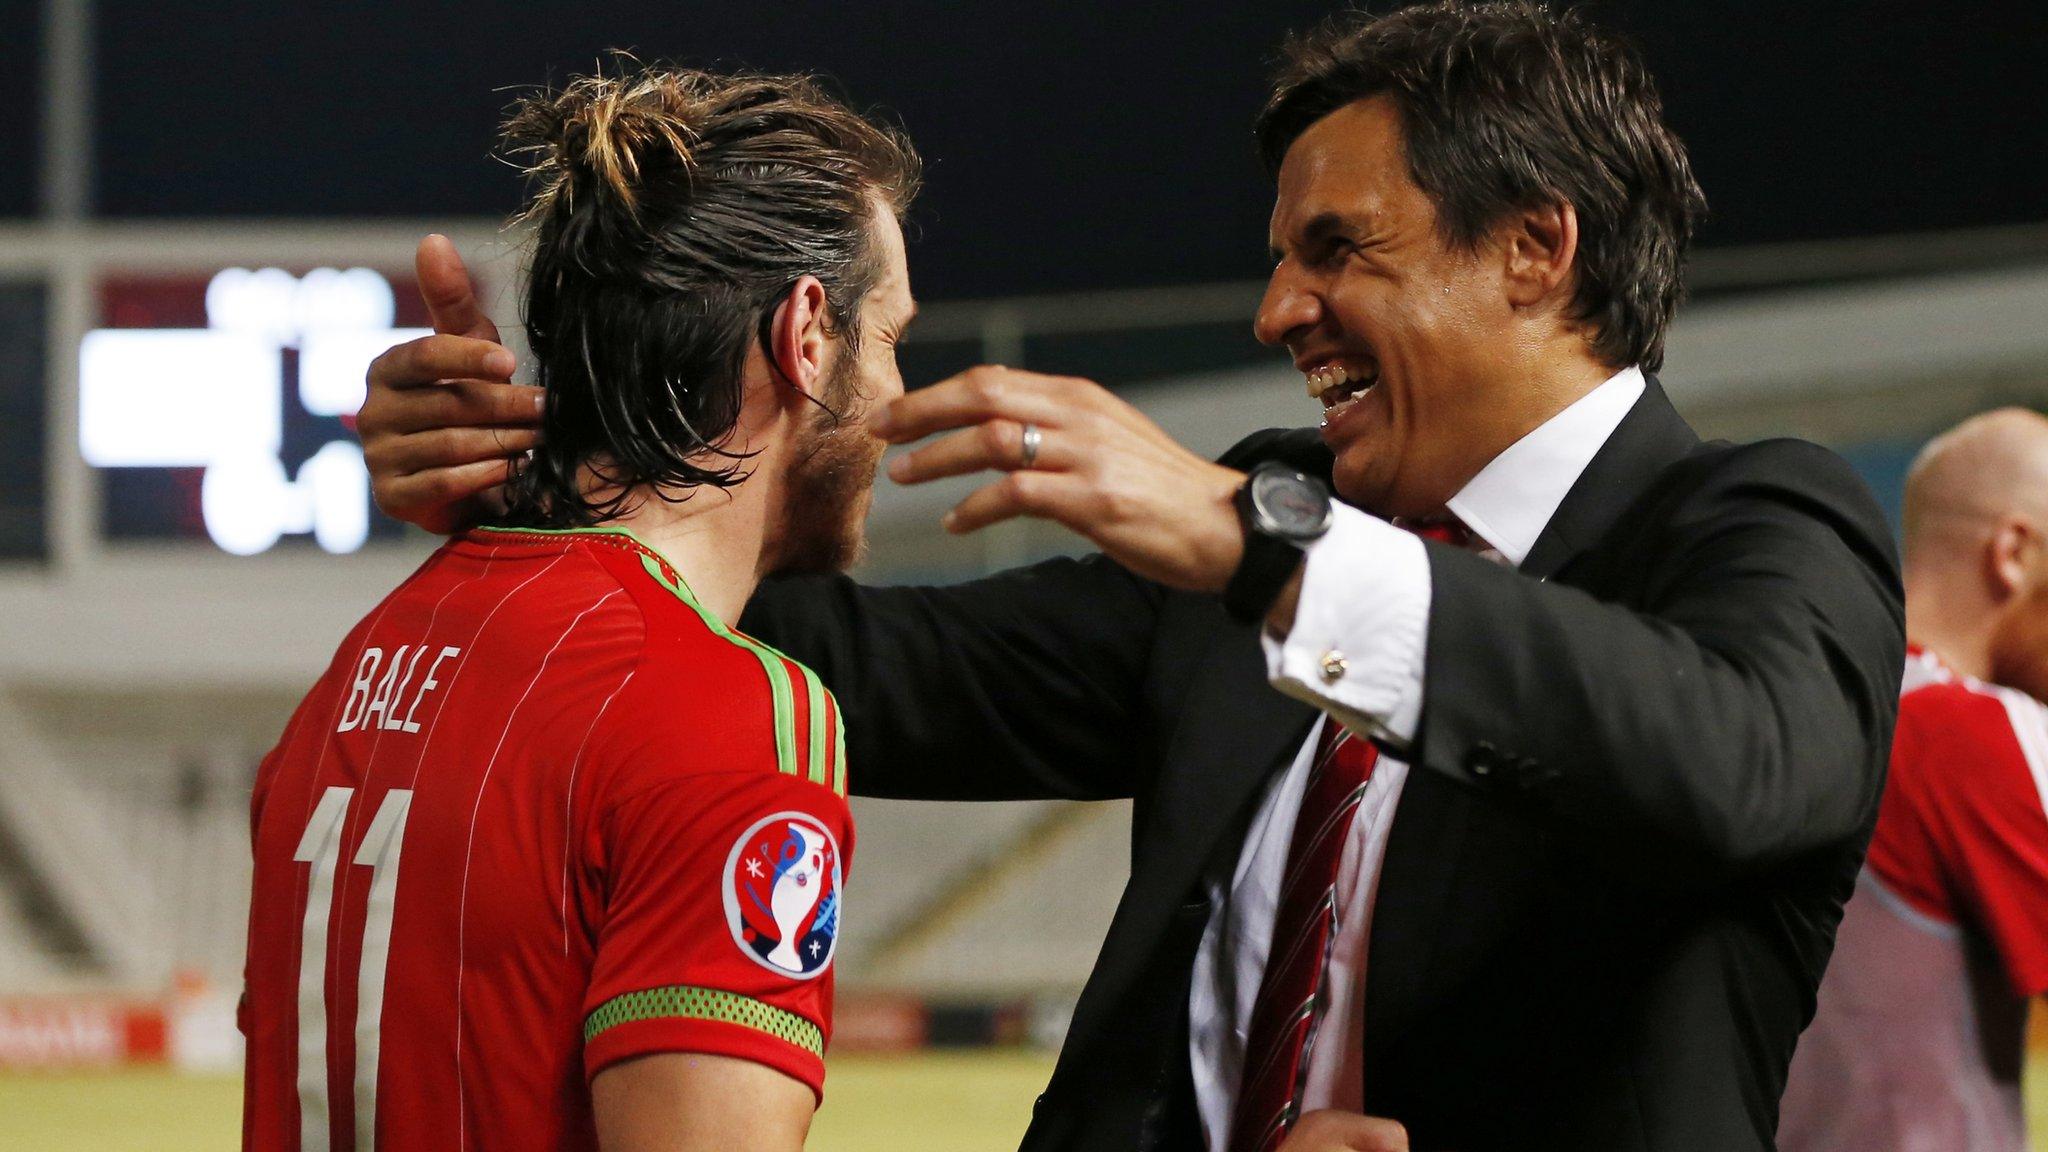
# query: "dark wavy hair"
(1506, 106)
(672, 210)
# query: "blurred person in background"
(1920, 1035)
(1528, 827)
(621, 824)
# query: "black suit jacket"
(1646, 770)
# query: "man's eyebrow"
(1322, 226)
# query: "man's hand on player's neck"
(442, 422)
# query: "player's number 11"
(321, 847)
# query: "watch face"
(1291, 504)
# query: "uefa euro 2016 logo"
(782, 894)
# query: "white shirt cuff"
(1361, 628)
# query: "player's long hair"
(672, 210)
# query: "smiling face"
(1411, 343)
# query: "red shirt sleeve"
(1969, 772)
(720, 910)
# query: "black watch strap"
(1268, 563)
(1282, 512)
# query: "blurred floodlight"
(247, 502)
(260, 303)
(330, 298)
(334, 362)
(177, 398)
(272, 303)
(336, 485)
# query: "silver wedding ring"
(1032, 439)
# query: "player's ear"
(797, 336)
(2013, 558)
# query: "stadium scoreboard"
(219, 405)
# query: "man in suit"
(1543, 837)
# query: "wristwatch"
(1283, 512)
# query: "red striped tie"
(1283, 1017)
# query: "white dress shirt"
(1356, 651)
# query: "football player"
(1919, 1037)
(550, 858)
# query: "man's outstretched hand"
(442, 425)
(442, 422)
(1102, 469)
(1334, 1131)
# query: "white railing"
(76, 851)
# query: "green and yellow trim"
(685, 1002)
(814, 708)
(832, 772)
(838, 748)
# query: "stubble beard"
(831, 485)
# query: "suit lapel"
(1233, 733)
(1426, 847)
(1236, 732)
(1648, 440)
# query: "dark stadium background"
(1072, 145)
(1875, 268)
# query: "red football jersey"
(542, 814)
(1917, 1037)
(1963, 833)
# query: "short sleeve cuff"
(1361, 627)
(691, 1019)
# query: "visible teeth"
(1329, 376)
(1335, 385)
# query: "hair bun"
(600, 139)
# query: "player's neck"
(713, 540)
(1947, 624)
